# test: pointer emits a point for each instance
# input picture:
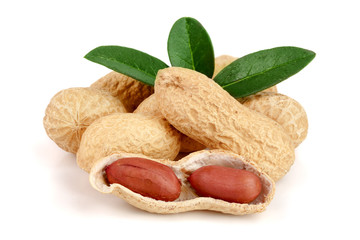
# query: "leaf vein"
(262, 72)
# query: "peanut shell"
(129, 91)
(201, 109)
(188, 200)
(150, 106)
(72, 110)
(284, 110)
(128, 132)
(222, 61)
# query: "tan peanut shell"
(72, 110)
(284, 110)
(188, 200)
(150, 106)
(131, 92)
(201, 109)
(222, 61)
(128, 132)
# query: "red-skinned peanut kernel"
(146, 177)
(228, 184)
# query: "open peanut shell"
(188, 199)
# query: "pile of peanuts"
(184, 144)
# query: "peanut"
(201, 109)
(146, 177)
(72, 110)
(151, 107)
(152, 136)
(221, 62)
(129, 91)
(188, 200)
(284, 110)
(229, 184)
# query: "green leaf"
(260, 70)
(128, 61)
(189, 46)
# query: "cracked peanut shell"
(188, 199)
(149, 135)
(201, 109)
(72, 110)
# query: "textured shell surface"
(221, 62)
(72, 110)
(284, 110)
(131, 92)
(224, 60)
(188, 199)
(200, 108)
(128, 132)
(150, 106)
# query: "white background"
(45, 195)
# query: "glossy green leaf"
(128, 61)
(260, 70)
(189, 46)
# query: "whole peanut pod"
(150, 106)
(129, 91)
(128, 132)
(201, 109)
(72, 110)
(284, 110)
(281, 108)
(221, 62)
